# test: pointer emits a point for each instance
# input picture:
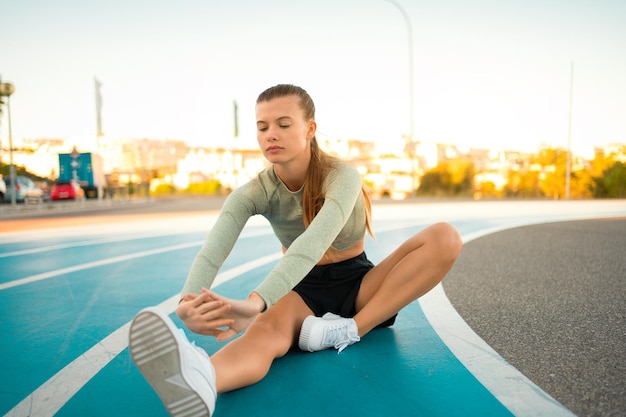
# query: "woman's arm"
(237, 209)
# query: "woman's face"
(282, 131)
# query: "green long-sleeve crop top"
(340, 223)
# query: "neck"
(293, 174)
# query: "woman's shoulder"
(263, 178)
(342, 169)
(258, 188)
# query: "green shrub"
(211, 187)
(163, 189)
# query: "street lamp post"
(568, 166)
(6, 89)
(98, 177)
(410, 143)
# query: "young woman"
(324, 292)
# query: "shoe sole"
(155, 350)
(305, 334)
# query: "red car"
(67, 191)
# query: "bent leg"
(246, 360)
(409, 272)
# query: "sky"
(486, 73)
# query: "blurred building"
(390, 168)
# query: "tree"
(433, 183)
(523, 184)
(614, 181)
(448, 178)
(487, 189)
(581, 184)
(607, 174)
(553, 162)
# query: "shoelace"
(338, 335)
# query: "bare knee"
(269, 336)
(447, 239)
(276, 330)
(246, 360)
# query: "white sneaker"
(331, 330)
(179, 371)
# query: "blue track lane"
(52, 321)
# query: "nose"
(270, 135)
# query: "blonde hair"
(321, 163)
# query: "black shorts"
(334, 287)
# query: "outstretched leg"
(409, 272)
(246, 360)
(180, 372)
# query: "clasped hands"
(211, 314)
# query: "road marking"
(53, 394)
(112, 260)
(515, 391)
(94, 264)
(81, 243)
(47, 399)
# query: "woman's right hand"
(204, 313)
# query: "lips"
(273, 148)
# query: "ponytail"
(313, 192)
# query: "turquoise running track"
(67, 296)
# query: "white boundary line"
(107, 261)
(93, 242)
(516, 392)
(53, 394)
(87, 265)
(478, 357)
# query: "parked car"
(3, 189)
(26, 190)
(68, 190)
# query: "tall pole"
(11, 164)
(235, 171)
(410, 143)
(6, 89)
(568, 167)
(97, 171)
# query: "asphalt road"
(551, 299)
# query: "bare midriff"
(333, 256)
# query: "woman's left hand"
(241, 312)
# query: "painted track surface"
(67, 295)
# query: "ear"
(310, 134)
